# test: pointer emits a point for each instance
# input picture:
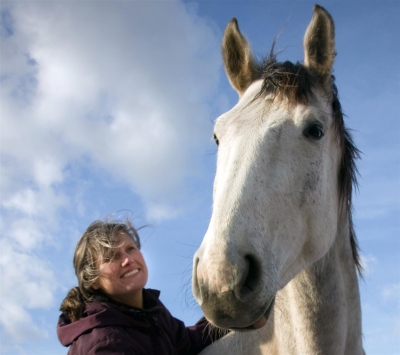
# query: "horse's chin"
(261, 322)
(264, 319)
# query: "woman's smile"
(130, 273)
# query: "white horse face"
(276, 201)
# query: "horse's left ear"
(319, 44)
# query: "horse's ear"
(240, 66)
(319, 44)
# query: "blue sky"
(108, 107)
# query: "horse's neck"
(318, 312)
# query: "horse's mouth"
(261, 321)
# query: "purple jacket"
(113, 328)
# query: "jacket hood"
(104, 314)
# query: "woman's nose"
(126, 260)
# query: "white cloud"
(160, 212)
(27, 282)
(31, 215)
(18, 323)
(116, 88)
(391, 292)
(368, 263)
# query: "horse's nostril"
(252, 278)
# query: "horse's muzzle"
(238, 304)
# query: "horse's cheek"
(320, 223)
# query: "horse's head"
(276, 192)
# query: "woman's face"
(124, 278)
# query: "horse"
(279, 263)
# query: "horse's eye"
(314, 131)
(216, 139)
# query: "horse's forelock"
(296, 84)
(287, 80)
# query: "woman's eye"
(107, 257)
(314, 131)
(117, 256)
(216, 139)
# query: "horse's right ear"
(240, 66)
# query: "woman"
(111, 312)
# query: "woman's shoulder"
(99, 321)
(105, 340)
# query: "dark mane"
(295, 83)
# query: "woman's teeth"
(130, 273)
